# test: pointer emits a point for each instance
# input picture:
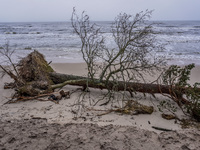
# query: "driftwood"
(131, 108)
(161, 129)
(169, 116)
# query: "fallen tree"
(40, 79)
(61, 80)
(122, 68)
(174, 86)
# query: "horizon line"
(70, 21)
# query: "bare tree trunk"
(58, 78)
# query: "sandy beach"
(46, 125)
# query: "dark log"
(175, 93)
(58, 78)
(161, 129)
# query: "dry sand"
(46, 125)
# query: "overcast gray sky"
(60, 10)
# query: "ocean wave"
(58, 41)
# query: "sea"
(59, 44)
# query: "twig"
(161, 129)
(27, 98)
(106, 113)
(56, 102)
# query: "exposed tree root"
(19, 99)
(56, 100)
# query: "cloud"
(60, 10)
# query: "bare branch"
(10, 68)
